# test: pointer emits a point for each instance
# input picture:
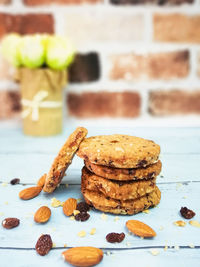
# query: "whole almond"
(140, 229)
(42, 215)
(41, 181)
(10, 223)
(83, 256)
(30, 192)
(69, 206)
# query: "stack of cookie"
(120, 173)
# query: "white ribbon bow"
(36, 103)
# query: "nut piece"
(180, 223)
(30, 192)
(69, 206)
(43, 245)
(42, 215)
(10, 223)
(195, 223)
(41, 181)
(140, 229)
(187, 213)
(83, 256)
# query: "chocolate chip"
(15, 181)
(43, 245)
(10, 223)
(142, 163)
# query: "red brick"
(176, 28)
(9, 104)
(97, 26)
(5, 2)
(174, 102)
(60, 2)
(165, 66)
(26, 24)
(85, 68)
(104, 104)
(156, 2)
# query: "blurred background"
(137, 62)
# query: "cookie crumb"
(128, 244)
(104, 217)
(166, 248)
(93, 231)
(161, 228)
(4, 184)
(180, 223)
(55, 202)
(54, 245)
(116, 218)
(75, 212)
(1, 213)
(194, 223)
(72, 218)
(65, 245)
(191, 245)
(146, 211)
(82, 233)
(176, 247)
(154, 252)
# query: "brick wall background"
(136, 59)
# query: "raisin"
(82, 216)
(186, 213)
(83, 207)
(115, 237)
(10, 223)
(43, 245)
(15, 181)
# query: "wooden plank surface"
(28, 158)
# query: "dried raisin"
(83, 207)
(187, 213)
(115, 237)
(82, 216)
(15, 181)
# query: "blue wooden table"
(28, 158)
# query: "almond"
(140, 229)
(41, 181)
(30, 192)
(69, 206)
(42, 215)
(83, 256)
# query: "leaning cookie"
(120, 174)
(122, 190)
(130, 207)
(119, 151)
(63, 159)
